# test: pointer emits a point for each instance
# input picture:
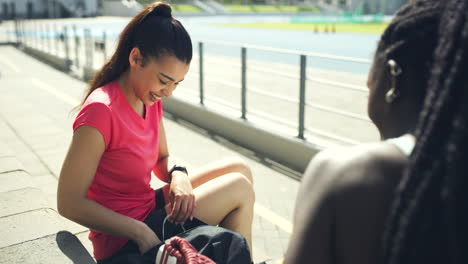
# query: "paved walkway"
(35, 130)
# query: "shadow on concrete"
(71, 247)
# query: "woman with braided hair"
(401, 200)
(119, 140)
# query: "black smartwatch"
(177, 168)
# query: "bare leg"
(219, 168)
(227, 200)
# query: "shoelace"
(184, 252)
(182, 249)
(164, 227)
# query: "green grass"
(186, 8)
(371, 28)
(268, 8)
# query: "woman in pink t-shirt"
(119, 139)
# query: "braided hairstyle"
(428, 221)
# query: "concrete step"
(15, 180)
(22, 200)
(62, 247)
(10, 163)
(31, 225)
(5, 151)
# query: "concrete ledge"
(57, 62)
(293, 153)
(9, 164)
(88, 73)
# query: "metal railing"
(52, 39)
(301, 102)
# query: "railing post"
(244, 83)
(66, 47)
(200, 71)
(77, 47)
(302, 96)
(43, 38)
(49, 39)
(36, 38)
(104, 45)
(17, 31)
(57, 40)
(89, 50)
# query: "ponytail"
(155, 32)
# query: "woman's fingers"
(183, 208)
(194, 205)
(188, 213)
(176, 203)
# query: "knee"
(244, 189)
(240, 166)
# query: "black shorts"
(129, 253)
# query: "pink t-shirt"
(122, 180)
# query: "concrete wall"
(48, 8)
(57, 62)
(375, 6)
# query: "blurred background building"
(86, 8)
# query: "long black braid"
(429, 218)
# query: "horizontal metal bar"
(338, 84)
(339, 112)
(278, 120)
(215, 100)
(292, 100)
(264, 93)
(313, 131)
(293, 52)
(347, 86)
(223, 102)
(258, 69)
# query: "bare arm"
(311, 241)
(342, 205)
(75, 179)
(181, 194)
(161, 169)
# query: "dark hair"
(155, 32)
(429, 217)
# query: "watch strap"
(177, 168)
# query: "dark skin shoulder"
(343, 202)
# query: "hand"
(182, 199)
(146, 239)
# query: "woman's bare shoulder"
(346, 191)
(364, 165)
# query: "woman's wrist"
(176, 170)
(178, 174)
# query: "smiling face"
(152, 79)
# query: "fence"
(297, 98)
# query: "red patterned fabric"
(184, 252)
